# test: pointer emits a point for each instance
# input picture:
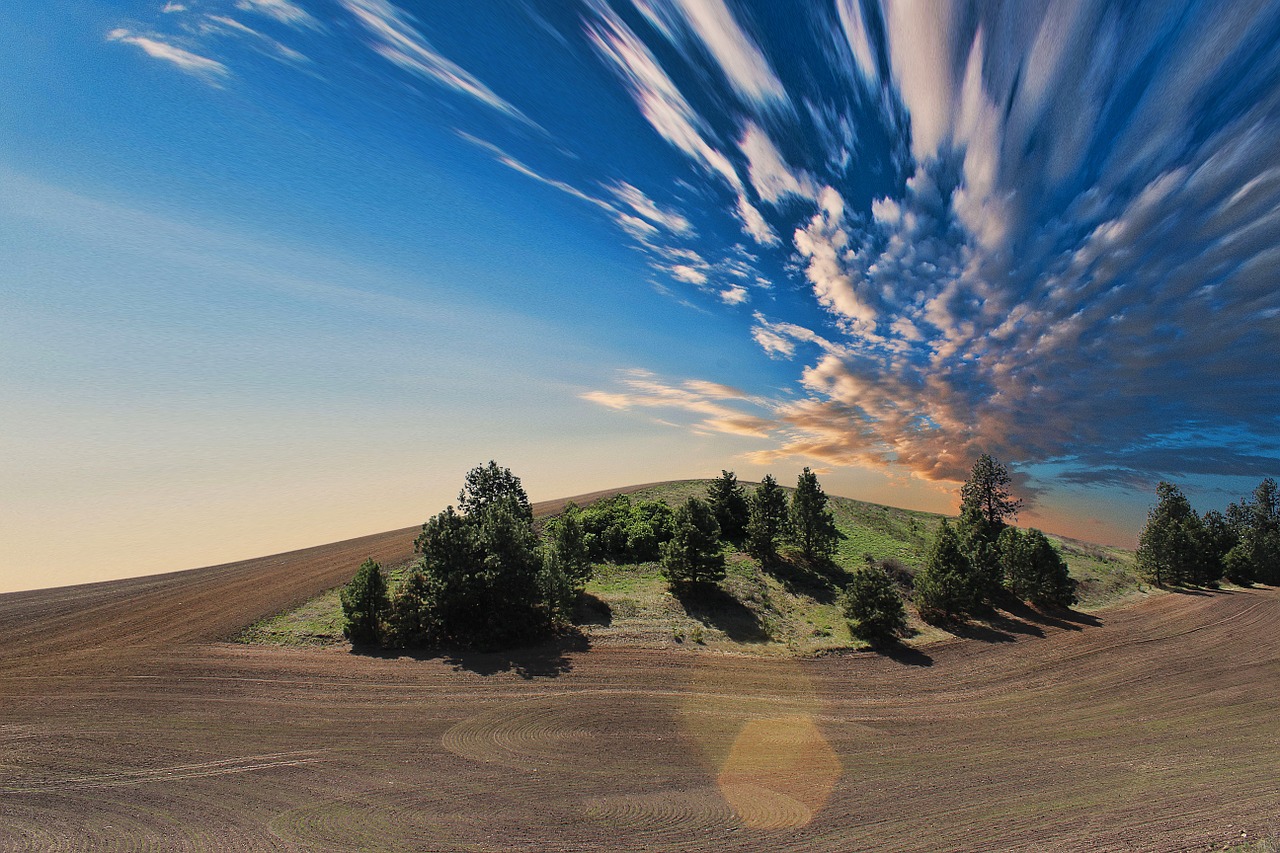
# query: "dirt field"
(127, 723)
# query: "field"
(129, 721)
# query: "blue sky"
(278, 272)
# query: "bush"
(692, 556)
(872, 606)
(365, 604)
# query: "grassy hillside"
(788, 610)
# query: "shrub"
(872, 606)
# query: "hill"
(127, 724)
(789, 609)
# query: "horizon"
(278, 272)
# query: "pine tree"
(729, 504)
(365, 604)
(1034, 570)
(567, 541)
(768, 520)
(946, 586)
(986, 501)
(1169, 544)
(812, 523)
(692, 556)
(872, 605)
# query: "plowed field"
(127, 722)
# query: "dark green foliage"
(692, 556)
(1034, 570)
(1257, 523)
(947, 585)
(812, 524)
(413, 622)
(987, 494)
(986, 501)
(1169, 546)
(872, 605)
(1217, 538)
(365, 604)
(482, 580)
(767, 522)
(487, 485)
(729, 503)
(567, 546)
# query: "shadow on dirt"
(900, 653)
(715, 608)
(1067, 620)
(545, 660)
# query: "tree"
(1217, 538)
(1257, 522)
(692, 556)
(986, 493)
(872, 605)
(1169, 544)
(729, 504)
(365, 604)
(483, 573)
(986, 501)
(767, 520)
(413, 621)
(486, 485)
(567, 541)
(946, 586)
(1034, 570)
(812, 524)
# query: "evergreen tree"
(486, 485)
(812, 523)
(1034, 570)
(1260, 534)
(365, 604)
(729, 503)
(692, 556)
(767, 521)
(1169, 544)
(946, 586)
(872, 605)
(986, 501)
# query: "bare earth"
(127, 722)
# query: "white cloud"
(733, 50)
(646, 207)
(398, 41)
(769, 173)
(754, 224)
(855, 32)
(734, 295)
(284, 11)
(207, 69)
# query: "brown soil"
(128, 723)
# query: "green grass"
(789, 609)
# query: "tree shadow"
(548, 659)
(1188, 590)
(1051, 620)
(590, 610)
(897, 651)
(1011, 624)
(715, 608)
(800, 579)
(978, 631)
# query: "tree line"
(486, 578)
(1179, 546)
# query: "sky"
(275, 273)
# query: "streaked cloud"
(284, 11)
(209, 70)
(396, 39)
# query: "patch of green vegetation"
(787, 609)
